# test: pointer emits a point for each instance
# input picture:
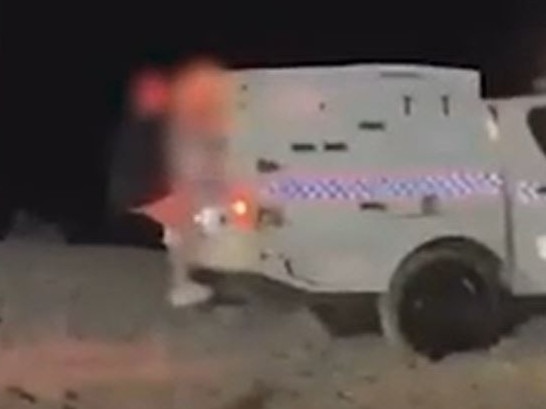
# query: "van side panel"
(360, 150)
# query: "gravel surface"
(87, 327)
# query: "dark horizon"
(64, 67)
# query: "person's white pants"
(183, 291)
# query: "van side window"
(536, 120)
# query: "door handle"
(267, 166)
(373, 206)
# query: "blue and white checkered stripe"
(528, 192)
(449, 186)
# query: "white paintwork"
(524, 164)
(541, 247)
(335, 246)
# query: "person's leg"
(184, 291)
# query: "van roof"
(523, 100)
(395, 74)
(394, 71)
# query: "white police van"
(399, 181)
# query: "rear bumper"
(231, 251)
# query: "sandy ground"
(87, 327)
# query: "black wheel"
(445, 298)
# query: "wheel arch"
(388, 302)
(399, 274)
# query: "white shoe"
(189, 293)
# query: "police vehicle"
(393, 180)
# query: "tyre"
(444, 298)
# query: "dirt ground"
(87, 327)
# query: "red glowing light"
(240, 207)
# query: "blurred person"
(138, 171)
(196, 129)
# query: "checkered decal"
(527, 192)
(449, 186)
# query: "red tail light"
(242, 210)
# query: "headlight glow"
(209, 218)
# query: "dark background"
(63, 67)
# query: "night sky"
(63, 65)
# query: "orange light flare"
(242, 208)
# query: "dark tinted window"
(536, 119)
